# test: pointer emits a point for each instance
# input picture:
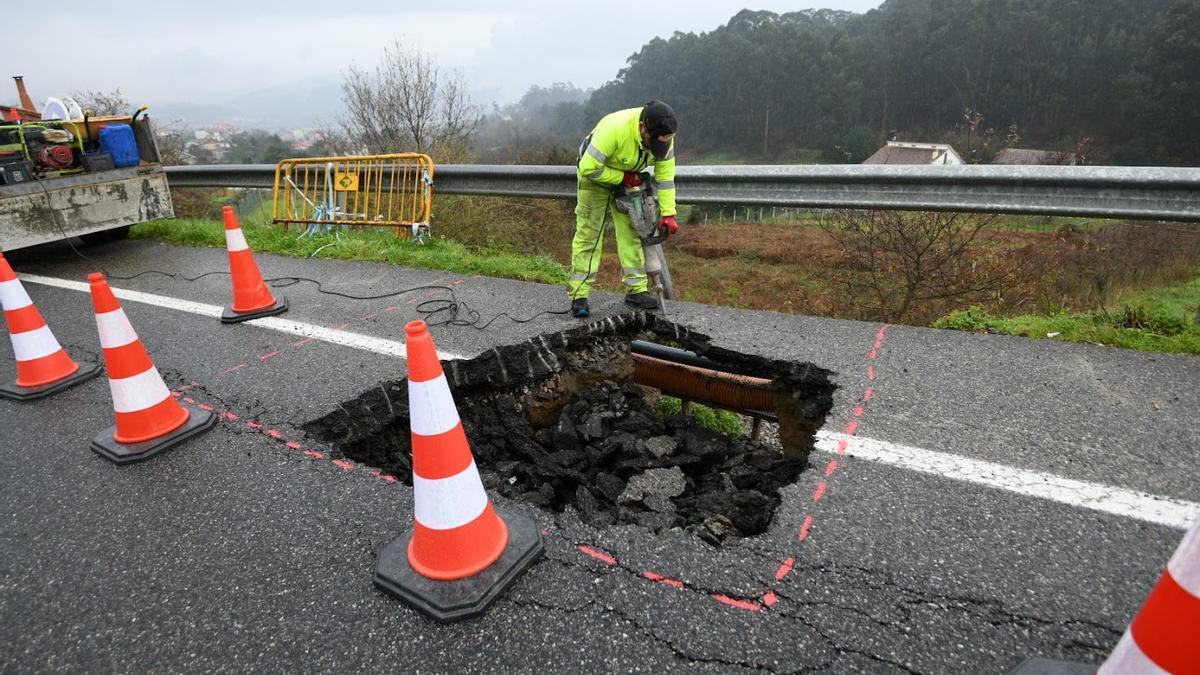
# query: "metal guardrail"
(1147, 193)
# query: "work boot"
(579, 308)
(643, 301)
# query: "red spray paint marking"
(188, 399)
(314, 454)
(305, 341)
(370, 316)
(673, 583)
(393, 308)
(342, 326)
(784, 569)
(293, 445)
(868, 394)
(274, 433)
(269, 356)
(852, 427)
(842, 445)
(740, 604)
(831, 467)
(176, 394)
(858, 411)
(229, 416)
(598, 555)
(392, 479)
(874, 354)
(870, 372)
(769, 599)
(803, 534)
(343, 464)
(819, 492)
(254, 425)
(233, 368)
(205, 407)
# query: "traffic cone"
(1163, 635)
(460, 553)
(251, 297)
(43, 366)
(148, 419)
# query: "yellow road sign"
(345, 182)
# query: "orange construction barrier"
(460, 554)
(148, 418)
(251, 297)
(43, 366)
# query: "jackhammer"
(640, 203)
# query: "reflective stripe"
(115, 330)
(447, 503)
(595, 174)
(667, 185)
(1185, 564)
(134, 394)
(634, 271)
(34, 344)
(13, 295)
(431, 409)
(235, 240)
(1128, 659)
(596, 154)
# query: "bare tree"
(408, 104)
(102, 103)
(900, 264)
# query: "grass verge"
(1157, 320)
(374, 246)
(722, 421)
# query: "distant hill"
(1117, 79)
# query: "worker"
(622, 145)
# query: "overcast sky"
(219, 51)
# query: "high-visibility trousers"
(592, 203)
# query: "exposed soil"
(558, 422)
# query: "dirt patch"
(558, 422)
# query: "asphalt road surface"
(978, 500)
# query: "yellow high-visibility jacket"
(615, 146)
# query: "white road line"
(1167, 511)
(1079, 494)
(338, 337)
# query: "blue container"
(118, 141)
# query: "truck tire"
(105, 236)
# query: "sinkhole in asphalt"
(559, 422)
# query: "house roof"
(1033, 157)
(913, 153)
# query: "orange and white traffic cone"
(1164, 638)
(148, 419)
(43, 366)
(1165, 635)
(251, 297)
(460, 553)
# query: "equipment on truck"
(640, 203)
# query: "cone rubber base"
(449, 601)
(86, 372)
(1035, 666)
(230, 316)
(198, 422)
